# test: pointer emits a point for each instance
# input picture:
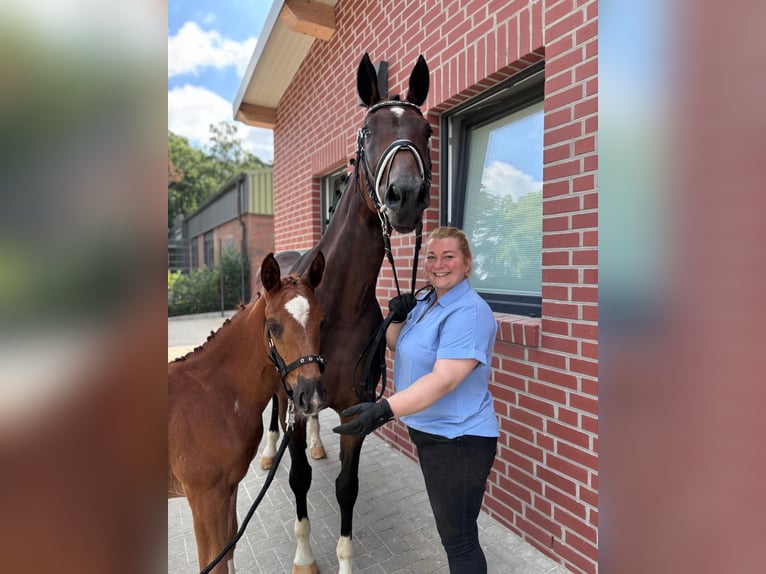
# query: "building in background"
(238, 217)
(513, 105)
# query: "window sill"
(518, 329)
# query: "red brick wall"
(260, 239)
(544, 485)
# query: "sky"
(209, 46)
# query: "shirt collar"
(455, 293)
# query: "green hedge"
(200, 290)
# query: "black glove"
(400, 306)
(371, 416)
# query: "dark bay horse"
(217, 393)
(390, 189)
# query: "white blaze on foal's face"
(299, 308)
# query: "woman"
(443, 349)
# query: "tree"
(194, 175)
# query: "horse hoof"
(306, 568)
(267, 462)
(318, 452)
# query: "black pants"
(455, 472)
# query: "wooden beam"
(257, 116)
(309, 17)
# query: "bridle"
(284, 370)
(383, 169)
(375, 347)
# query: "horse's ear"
(367, 82)
(419, 82)
(316, 270)
(270, 273)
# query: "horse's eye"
(275, 328)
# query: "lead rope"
(376, 346)
(269, 478)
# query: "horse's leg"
(270, 450)
(300, 482)
(212, 524)
(316, 448)
(233, 526)
(346, 491)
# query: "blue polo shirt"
(460, 325)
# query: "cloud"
(193, 48)
(502, 178)
(191, 110)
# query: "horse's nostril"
(393, 196)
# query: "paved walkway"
(394, 531)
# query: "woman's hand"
(371, 416)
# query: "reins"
(283, 369)
(376, 346)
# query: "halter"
(284, 370)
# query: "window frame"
(508, 97)
(329, 199)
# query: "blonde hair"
(446, 232)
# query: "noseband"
(284, 370)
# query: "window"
(195, 253)
(209, 247)
(494, 183)
(332, 188)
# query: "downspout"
(243, 247)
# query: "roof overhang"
(288, 33)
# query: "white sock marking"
(312, 430)
(345, 552)
(299, 308)
(303, 554)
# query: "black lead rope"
(261, 494)
(376, 346)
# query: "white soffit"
(288, 33)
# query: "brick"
(563, 98)
(561, 310)
(585, 331)
(543, 522)
(585, 257)
(585, 294)
(526, 417)
(567, 468)
(589, 368)
(561, 205)
(568, 434)
(554, 188)
(560, 344)
(562, 483)
(547, 392)
(556, 257)
(564, 133)
(585, 404)
(575, 524)
(579, 456)
(555, 360)
(561, 275)
(536, 406)
(560, 378)
(557, 153)
(567, 24)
